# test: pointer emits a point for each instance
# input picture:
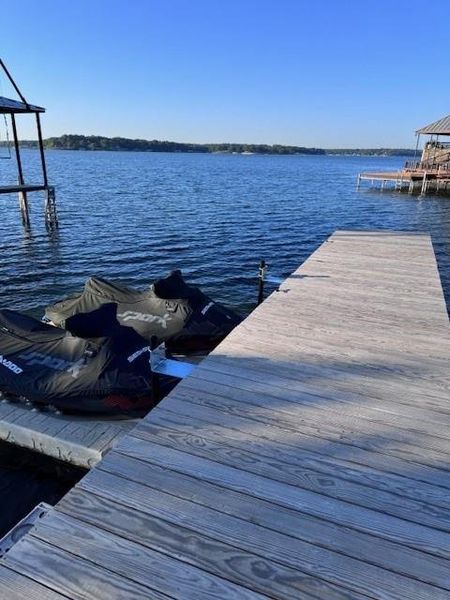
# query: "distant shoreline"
(94, 142)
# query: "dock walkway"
(306, 458)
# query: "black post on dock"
(156, 393)
(261, 276)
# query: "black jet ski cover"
(48, 365)
(173, 311)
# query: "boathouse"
(12, 108)
(429, 174)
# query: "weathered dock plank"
(15, 586)
(204, 495)
(282, 464)
(307, 457)
(71, 576)
(125, 558)
(291, 496)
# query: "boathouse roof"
(441, 127)
(8, 106)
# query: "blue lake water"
(136, 216)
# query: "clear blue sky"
(328, 73)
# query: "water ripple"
(135, 216)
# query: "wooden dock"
(80, 441)
(413, 181)
(306, 458)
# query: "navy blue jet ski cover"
(173, 311)
(48, 365)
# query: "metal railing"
(431, 167)
(438, 145)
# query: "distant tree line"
(262, 149)
(372, 151)
(97, 142)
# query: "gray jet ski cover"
(173, 311)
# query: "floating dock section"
(80, 441)
(306, 458)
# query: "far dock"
(417, 178)
(306, 458)
(429, 174)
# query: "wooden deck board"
(151, 483)
(271, 466)
(237, 478)
(155, 570)
(376, 356)
(307, 457)
(270, 439)
(344, 387)
(16, 586)
(134, 519)
(239, 378)
(72, 576)
(314, 470)
(266, 551)
(261, 418)
(364, 435)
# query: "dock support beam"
(424, 184)
(23, 200)
(51, 218)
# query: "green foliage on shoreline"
(96, 142)
(372, 151)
